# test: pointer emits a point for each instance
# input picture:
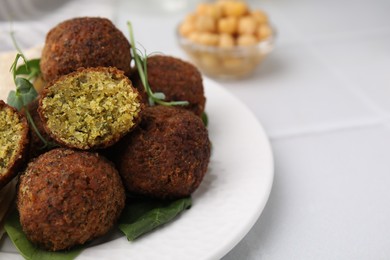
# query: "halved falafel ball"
(177, 79)
(84, 42)
(13, 142)
(66, 198)
(90, 108)
(167, 155)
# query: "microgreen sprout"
(25, 92)
(140, 61)
(30, 69)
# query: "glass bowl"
(226, 63)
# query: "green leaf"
(24, 94)
(25, 90)
(23, 85)
(142, 216)
(28, 97)
(27, 249)
(31, 67)
(205, 119)
(14, 100)
(159, 95)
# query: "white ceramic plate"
(226, 205)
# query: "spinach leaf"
(142, 216)
(27, 249)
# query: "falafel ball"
(90, 108)
(177, 79)
(84, 42)
(36, 146)
(14, 141)
(67, 197)
(167, 155)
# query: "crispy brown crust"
(177, 79)
(66, 198)
(114, 71)
(167, 155)
(84, 42)
(17, 164)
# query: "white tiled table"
(323, 97)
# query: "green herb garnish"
(25, 92)
(143, 215)
(140, 61)
(31, 69)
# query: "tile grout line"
(347, 35)
(329, 128)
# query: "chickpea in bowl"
(226, 39)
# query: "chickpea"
(226, 17)
(209, 9)
(194, 37)
(211, 39)
(186, 28)
(190, 18)
(247, 25)
(260, 17)
(264, 31)
(246, 40)
(205, 24)
(226, 40)
(233, 8)
(227, 25)
(201, 9)
(215, 12)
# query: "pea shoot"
(141, 64)
(25, 92)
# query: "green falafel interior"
(10, 137)
(90, 108)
